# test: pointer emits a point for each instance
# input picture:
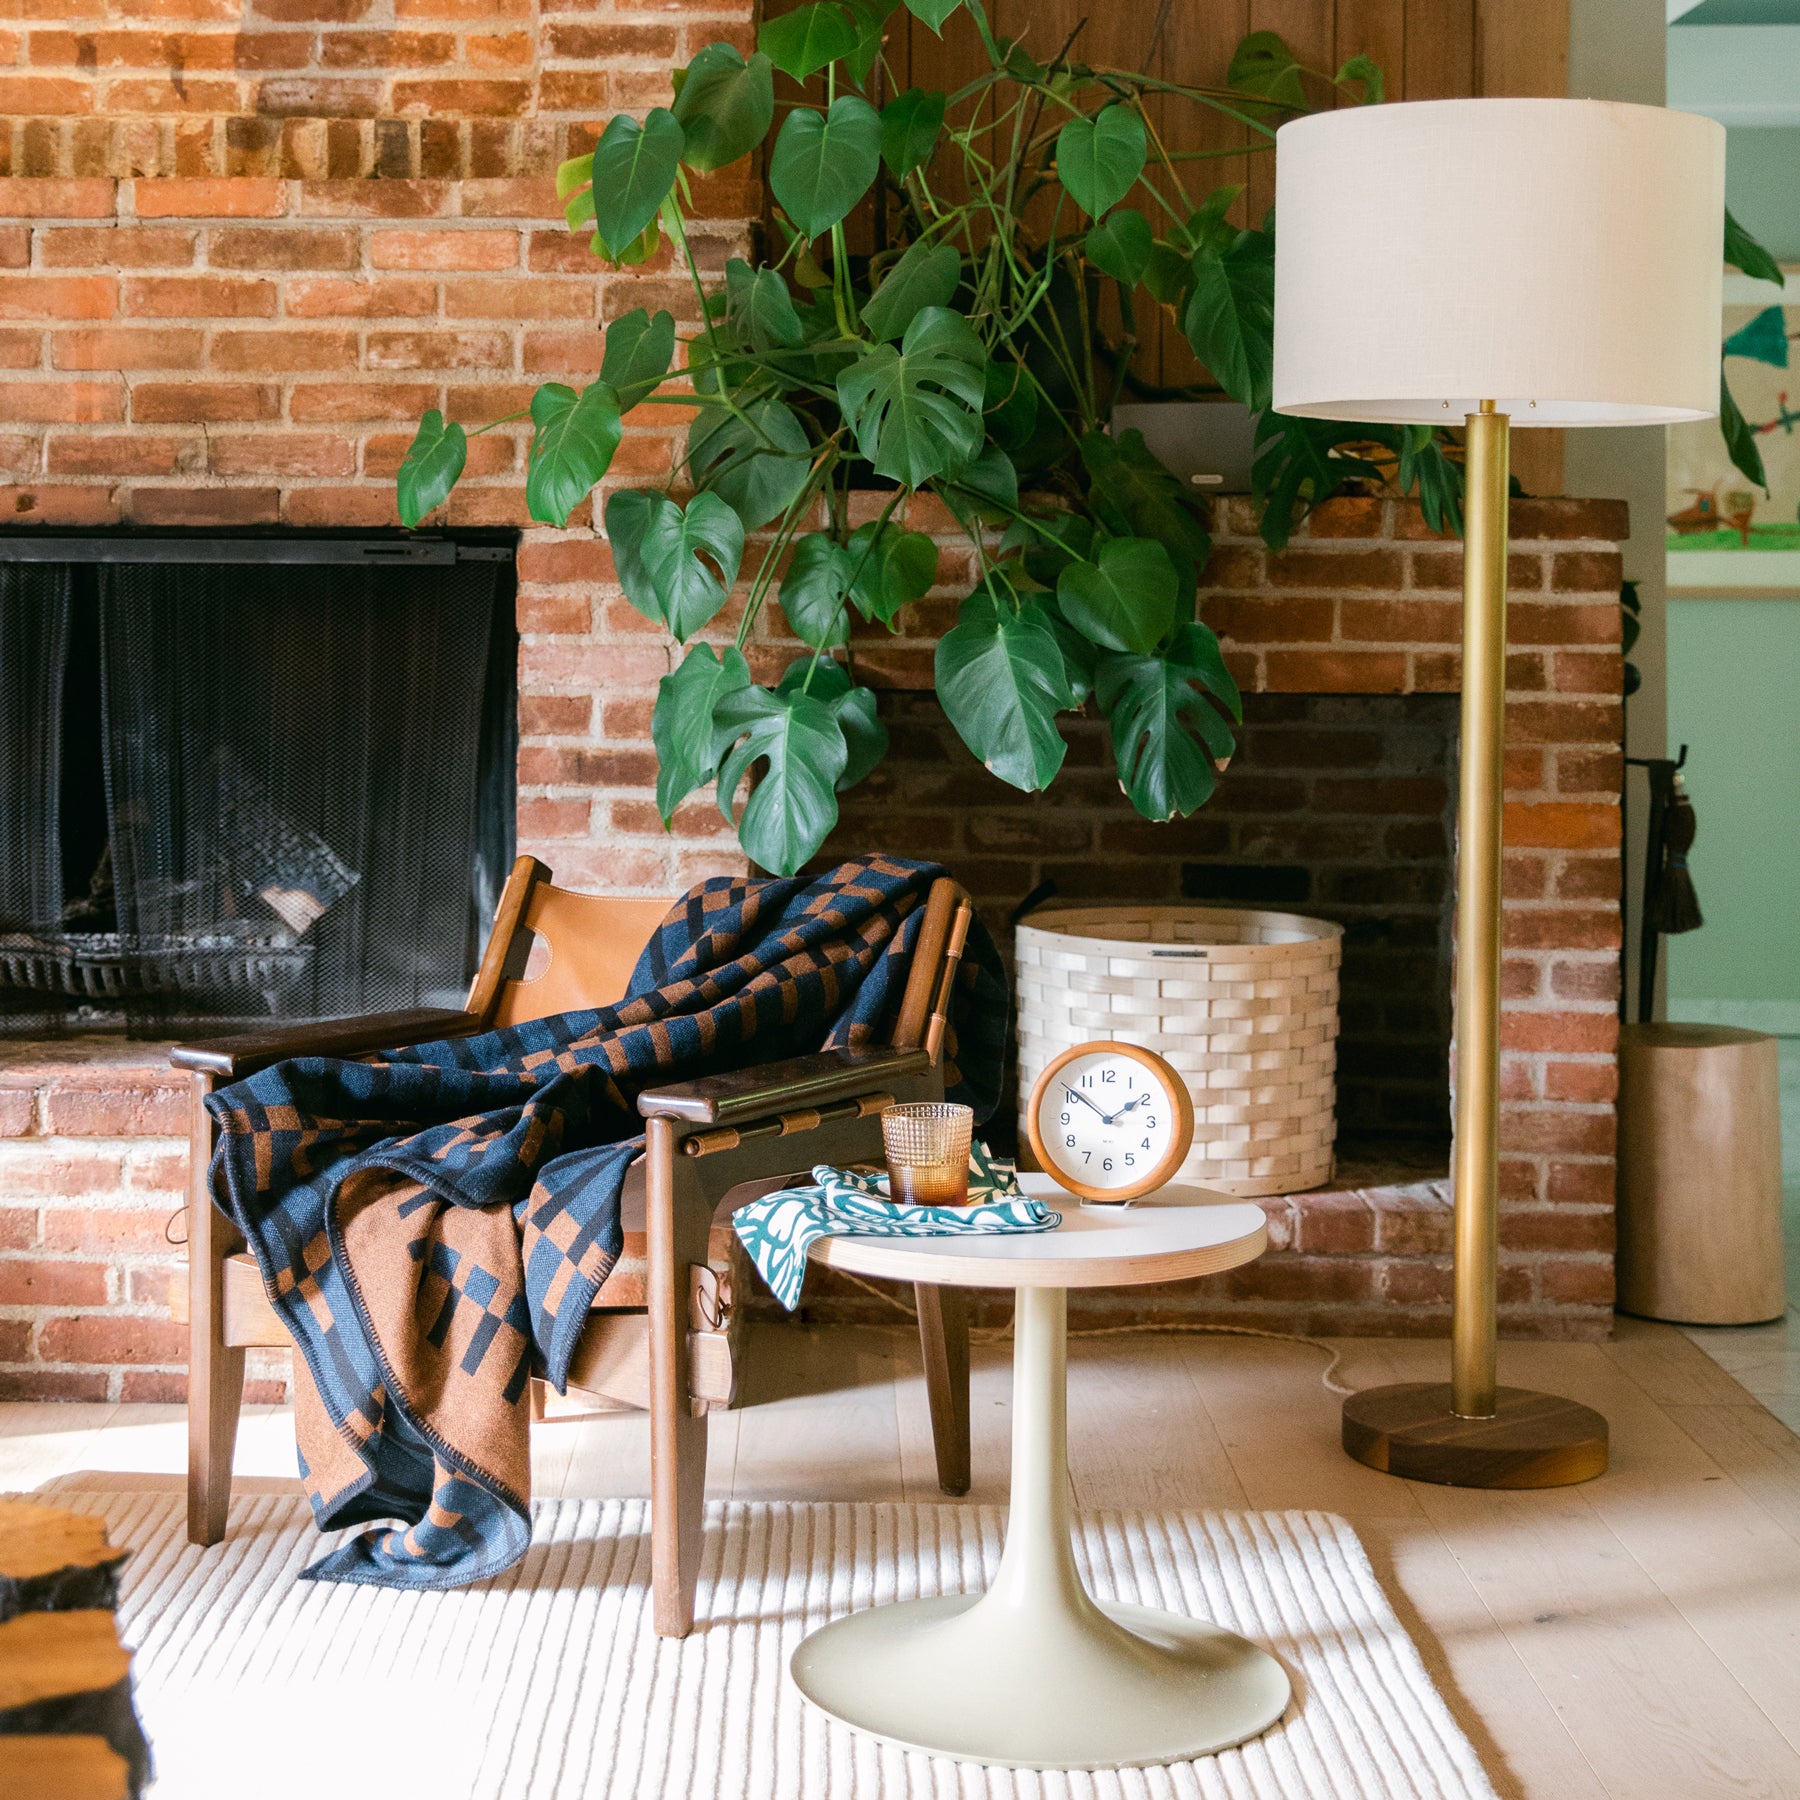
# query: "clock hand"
(1085, 1101)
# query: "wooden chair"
(658, 1335)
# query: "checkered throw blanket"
(432, 1226)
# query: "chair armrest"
(779, 1086)
(233, 1057)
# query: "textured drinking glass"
(927, 1148)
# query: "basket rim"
(1044, 919)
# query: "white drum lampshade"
(1561, 258)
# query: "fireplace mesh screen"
(248, 792)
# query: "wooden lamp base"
(1532, 1441)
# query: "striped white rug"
(548, 1682)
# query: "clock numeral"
(1070, 1140)
(1064, 1119)
(1145, 1145)
(1150, 1122)
(1130, 1160)
(1109, 1075)
(1087, 1156)
(1106, 1164)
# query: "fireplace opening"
(264, 777)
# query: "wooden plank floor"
(1634, 1639)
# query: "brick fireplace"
(239, 256)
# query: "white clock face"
(1105, 1120)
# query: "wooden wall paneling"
(1439, 49)
(1375, 29)
(1310, 28)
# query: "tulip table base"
(1035, 1673)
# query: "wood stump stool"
(68, 1729)
(1700, 1229)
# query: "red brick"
(1257, 619)
(157, 1386)
(1560, 928)
(345, 299)
(284, 248)
(239, 197)
(283, 349)
(500, 50)
(318, 97)
(453, 97)
(375, 199)
(383, 50)
(340, 506)
(585, 42)
(1556, 1131)
(1561, 825)
(1441, 569)
(352, 403)
(21, 349)
(328, 12)
(1416, 1283)
(589, 90)
(1571, 1283)
(25, 197)
(470, 249)
(55, 1170)
(115, 456)
(1589, 1084)
(205, 506)
(472, 297)
(110, 1338)
(115, 246)
(524, 197)
(1401, 621)
(198, 297)
(1303, 568)
(1335, 672)
(547, 715)
(58, 506)
(61, 402)
(124, 347)
(153, 1170)
(1599, 570)
(106, 1104)
(1560, 622)
(18, 1111)
(1608, 520)
(549, 819)
(52, 1384)
(1590, 878)
(1347, 516)
(18, 1227)
(201, 403)
(440, 350)
(1582, 1183)
(35, 297)
(1585, 980)
(40, 1281)
(1575, 1033)
(35, 96)
(1335, 1225)
(1524, 769)
(15, 246)
(174, 93)
(280, 453)
(1565, 721)
(574, 559)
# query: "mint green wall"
(1734, 699)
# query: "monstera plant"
(1025, 222)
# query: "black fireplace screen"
(249, 791)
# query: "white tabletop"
(1175, 1233)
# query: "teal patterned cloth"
(777, 1229)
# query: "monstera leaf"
(681, 726)
(910, 124)
(802, 42)
(1153, 710)
(755, 459)
(762, 306)
(1125, 600)
(865, 737)
(916, 411)
(1099, 159)
(796, 736)
(1264, 66)
(675, 564)
(1120, 246)
(639, 350)
(633, 170)
(433, 463)
(889, 569)
(725, 106)
(1137, 496)
(932, 12)
(1229, 319)
(823, 163)
(813, 591)
(571, 447)
(1001, 681)
(925, 276)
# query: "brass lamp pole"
(1557, 261)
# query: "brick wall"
(244, 243)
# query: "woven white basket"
(1243, 1003)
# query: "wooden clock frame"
(1163, 1073)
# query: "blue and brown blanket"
(432, 1225)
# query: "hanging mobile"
(1109, 1121)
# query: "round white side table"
(1035, 1673)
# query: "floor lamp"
(1488, 264)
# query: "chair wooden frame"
(647, 1341)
